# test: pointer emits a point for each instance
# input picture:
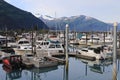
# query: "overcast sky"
(104, 10)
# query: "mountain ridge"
(78, 23)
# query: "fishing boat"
(12, 62)
(42, 62)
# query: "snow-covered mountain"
(46, 17)
(78, 23)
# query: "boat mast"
(6, 36)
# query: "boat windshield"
(84, 50)
(91, 48)
(58, 46)
(52, 46)
(23, 42)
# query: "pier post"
(86, 38)
(67, 27)
(92, 37)
(114, 52)
(6, 31)
(35, 43)
(32, 41)
(119, 38)
(104, 37)
(64, 43)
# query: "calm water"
(78, 69)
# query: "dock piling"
(114, 52)
(67, 26)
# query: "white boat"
(2, 39)
(55, 47)
(101, 52)
(89, 53)
(83, 40)
(42, 44)
(108, 39)
(94, 39)
(107, 52)
(53, 38)
(49, 46)
(74, 42)
(23, 46)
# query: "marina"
(59, 40)
(52, 55)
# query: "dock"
(60, 61)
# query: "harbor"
(59, 40)
(34, 55)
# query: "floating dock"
(60, 61)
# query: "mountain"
(15, 18)
(78, 23)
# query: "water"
(78, 69)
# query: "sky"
(104, 10)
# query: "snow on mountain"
(78, 23)
(46, 17)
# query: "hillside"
(15, 18)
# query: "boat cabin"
(13, 61)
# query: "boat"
(106, 52)
(108, 39)
(74, 42)
(83, 40)
(42, 44)
(95, 52)
(49, 46)
(89, 53)
(94, 39)
(54, 38)
(55, 47)
(12, 62)
(6, 52)
(2, 39)
(23, 46)
(42, 62)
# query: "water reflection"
(96, 66)
(77, 69)
(15, 74)
(35, 72)
(66, 72)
